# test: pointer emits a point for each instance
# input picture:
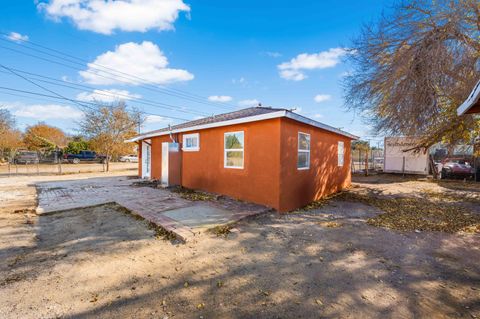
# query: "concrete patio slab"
(160, 206)
(199, 217)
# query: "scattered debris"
(154, 183)
(190, 194)
(94, 298)
(264, 293)
(221, 230)
(330, 224)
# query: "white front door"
(146, 159)
(164, 178)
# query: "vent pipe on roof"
(170, 133)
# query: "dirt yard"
(325, 262)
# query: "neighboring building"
(264, 155)
(472, 103)
(398, 158)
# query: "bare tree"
(7, 121)
(414, 67)
(10, 137)
(108, 126)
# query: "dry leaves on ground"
(417, 214)
(190, 194)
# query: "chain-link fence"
(371, 160)
(28, 163)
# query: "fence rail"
(31, 169)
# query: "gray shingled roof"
(251, 111)
(238, 115)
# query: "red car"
(456, 168)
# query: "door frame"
(165, 159)
(146, 159)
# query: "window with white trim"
(191, 142)
(234, 149)
(303, 161)
(341, 154)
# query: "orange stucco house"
(264, 155)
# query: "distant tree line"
(102, 129)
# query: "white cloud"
(145, 61)
(241, 80)
(220, 98)
(107, 96)
(319, 98)
(295, 69)
(105, 16)
(317, 116)
(273, 54)
(17, 37)
(155, 119)
(248, 103)
(43, 112)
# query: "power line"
(169, 91)
(81, 87)
(81, 104)
(154, 89)
(48, 98)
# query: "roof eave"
(247, 119)
(471, 101)
(306, 120)
(261, 117)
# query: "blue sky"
(196, 56)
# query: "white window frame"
(191, 149)
(341, 155)
(303, 151)
(233, 150)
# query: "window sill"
(303, 168)
(191, 149)
(233, 167)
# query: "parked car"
(26, 157)
(456, 168)
(133, 158)
(378, 163)
(85, 156)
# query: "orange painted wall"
(324, 177)
(257, 182)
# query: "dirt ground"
(100, 262)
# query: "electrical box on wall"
(171, 164)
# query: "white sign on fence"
(397, 160)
